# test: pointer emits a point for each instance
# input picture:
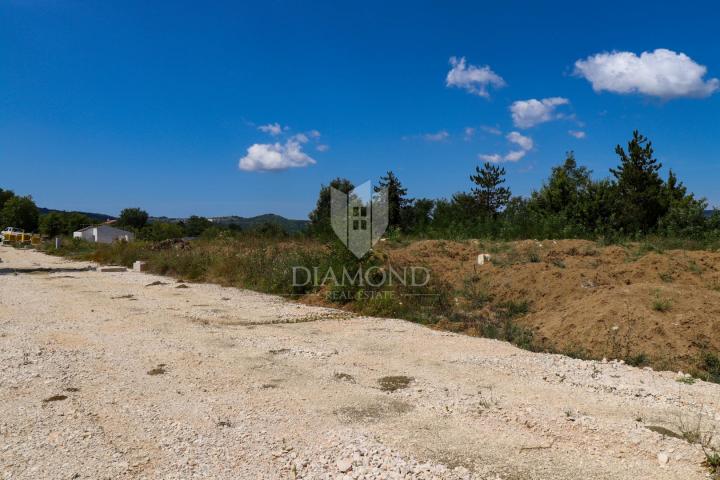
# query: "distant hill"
(289, 225)
(100, 217)
(247, 223)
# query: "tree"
(195, 226)
(133, 217)
(320, 217)
(396, 198)
(418, 214)
(20, 212)
(640, 191)
(489, 194)
(5, 195)
(75, 221)
(52, 224)
(158, 231)
(686, 214)
(565, 190)
(63, 223)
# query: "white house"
(103, 234)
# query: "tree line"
(633, 201)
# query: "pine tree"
(489, 194)
(396, 198)
(641, 199)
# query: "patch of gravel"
(101, 377)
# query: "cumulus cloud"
(300, 138)
(662, 73)
(268, 157)
(322, 147)
(475, 80)
(516, 138)
(515, 155)
(526, 143)
(577, 133)
(273, 129)
(492, 158)
(528, 113)
(440, 136)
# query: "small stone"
(344, 465)
(663, 458)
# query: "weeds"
(694, 267)
(558, 263)
(661, 304)
(476, 292)
(512, 309)
(710, 366)
(666, 277)
(637, 360)
(533, 257)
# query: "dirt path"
(102, 376)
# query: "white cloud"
(663, 73)
(473, 79)
(272, 128)
(494, 158)
(577, 133)
(274, 157)
(528, 113)
(515, 155)
(322, 147)
(525, 143)
(300, 137)
(491, 130)
(436, 137)
(314, 134)
(469, 133)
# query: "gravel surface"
(103, 375)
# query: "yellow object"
(12, 237)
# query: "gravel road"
(103, 375)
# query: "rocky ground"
(129, 375)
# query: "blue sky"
(105, 105)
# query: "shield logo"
(360, 217)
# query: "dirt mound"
(630, 302)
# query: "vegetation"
(135, 218)
(634, 202)
(18, 212)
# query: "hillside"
(100, 217)
(289, 225)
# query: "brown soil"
(614, 302)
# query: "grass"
(637, 360)
(694, 267)
(710, 366)
(712, 462)
(666, 277)
(512, 309)
(476, 292)
(660, 304)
